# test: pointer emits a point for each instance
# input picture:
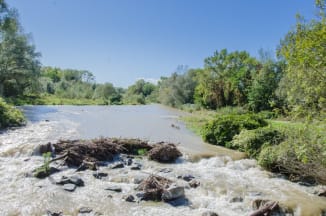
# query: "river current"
(228, 187)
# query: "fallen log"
(265, 210)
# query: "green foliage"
(225, 79)
(142, 152)
(140, 93)
(10, 116)
(303, 48)
(252, 141)
(302, 153)
(44, 170)
(223, 128)
(19, 64)
(261, 95)
(178, 89)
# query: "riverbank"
(48, 99)
(293, 148)
(10, 116)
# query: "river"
(229, 184)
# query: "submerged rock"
(187, 177)
(114, 188)
(194, 183)
(69, 187)
(173, 192)
(100, 175)
(322, 192)
(85, 210)
(236, 199)
(51, 213)
(209, 213)
(117, 165)
(164, 153)
(75, 180)
(129, 198)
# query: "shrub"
(302, 153)
(223, 128)
(252, 141)
(9, 115)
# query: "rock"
(76, 180)
(164, 153)
(209, 213)
(166, 170)
(129, 198)
(114, 188)
(187, 177)
(173, 192)
(85, 210)
(194, 183)
(140, 195)
(69, 187)
(236, 199)
(42, 173)
(117, 166)
(50, 213)
(44, 149)
(322, 192)
(100, 175)
(128, 162)
(136, 167)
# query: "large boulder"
(164, 153)
(173, 192)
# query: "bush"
(302, 154)
(223, 128)
(9, 115)
(252, 141)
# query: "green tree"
(178, 89)
(19, 64)
(303, 48)
(226, 79)
(262, 93)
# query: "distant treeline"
(293, 81)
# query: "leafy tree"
(19, 64)
(303, 48)
(261, 95)
(139, 93)
(226, 79)
(178, 89)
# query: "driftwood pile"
(153, 187)
(87, 154)
(164, 153)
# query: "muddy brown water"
(224, 176)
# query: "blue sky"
(120, 41)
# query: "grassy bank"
(53, 100)
(296, 149)
(10, 116)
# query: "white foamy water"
(223, 180)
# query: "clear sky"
(120, 41)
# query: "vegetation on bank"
(10, 116)
(296, 149)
